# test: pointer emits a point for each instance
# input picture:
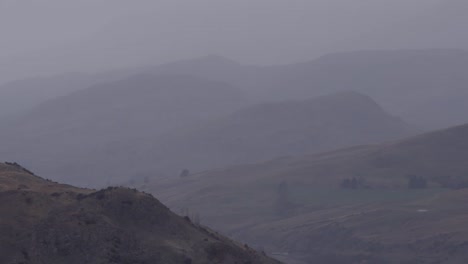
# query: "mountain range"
(424, 87)
(271, 130)
(72, 134)
(156, 126)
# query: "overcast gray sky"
(123, 32)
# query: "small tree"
(184, 173)
(146, 179)
(283, 204)
(353, 183)
(417, 182)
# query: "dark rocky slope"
(45, 222)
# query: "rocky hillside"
(45, 222)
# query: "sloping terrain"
(45, 222)
(407, 84)
(429, 229)
(267, 131)
(300, 205)
(21, 95)
(79, 131)
(134, 131)
(426, 87)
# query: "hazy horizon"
(42, 37)
(307, 131)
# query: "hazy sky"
(35, 24)
(130, 32)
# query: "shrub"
(417, 182)
(353, 183)
(184, 173)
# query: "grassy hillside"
(299, 205)
(45, 222)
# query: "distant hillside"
(381, 220)
(71, 134)
(433, 156)
(45, 222)
(19, 96)
(151, 128)
(22, 95)
(426, 87)
(272, 130)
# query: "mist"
(247, 131)
(47, 36)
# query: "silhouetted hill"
(433, 155)
(381, 219)
(22, 95)
(83, 129)
(426, 87)
(156, 127)
(272, 130)
(45, 222)
(19, 96)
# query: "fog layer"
(47, 36)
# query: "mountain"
(270, 130)
(19, 96)
(79, 131)
(151, 127)
(46, 222)
(426, 87)
(301, 205)
(277, 35)
(22, 95)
